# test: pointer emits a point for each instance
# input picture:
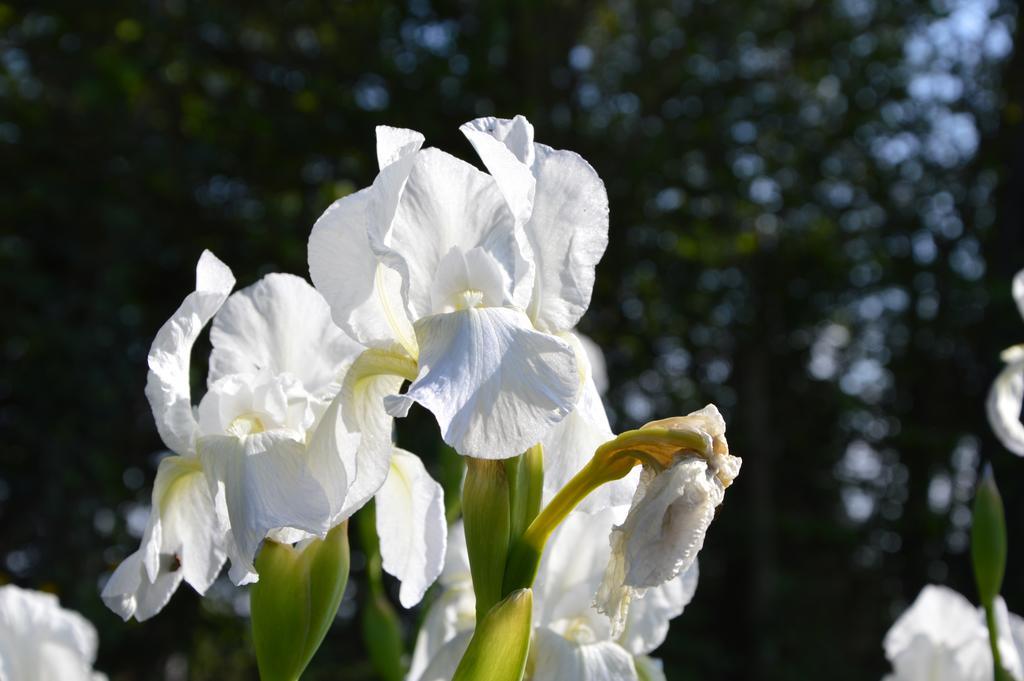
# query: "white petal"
(506, 148)
(184, 524)
(559, 659)
(264, 483)
(1018, 291)
(332, 458)
(1004, 407)
(130, 593)
(494, 384)
(571, 570)
(648, 621)
(445, 203)
(411, 526)
(395, 143)
(570, 445)
(41, 641)
(453, 613)
(443, 664)
(568, 215)
(374, 375)
(364, 294)
(167, 385)
(568, 234)
(283, 325)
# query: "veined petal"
(494, 384)
(167, 385)
(444, 203)
(283, 325)
(184, 527)
(332, 456)
(263, 482)
(411, 526)
(374, 375)
(364, 294)
(568, 233)
(555, 658)
(648, 621)
(395, 143)
(130, 593)
(570, 445)
(1004, 407)
(506, 148)
(562, 202)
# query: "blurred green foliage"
(816, 208)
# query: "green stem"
(993, 640)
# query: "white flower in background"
(1007, 392)
(572, 641)
(942, 637)
(569, 446)
(274, 449)
(472, 276)
(41, 641)
(671, 511)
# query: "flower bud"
(988, 538)
(485, 509)
(501, 642)
(295, 601)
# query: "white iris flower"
(572, 641)
(1007, 392)
(473, 276)
(42, 641)
(942, 637)
(285, 444)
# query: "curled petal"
(130, 593)
(411, 526)
(1018, 291)
(332, 456)
(1004, 407)
(262, 482)
(167, 385)
(364, 294)
(283, 325)
(562, 202)
(494, 384)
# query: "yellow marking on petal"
(246, 424)
(408, 343)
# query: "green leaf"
(295, 601)
(501, 642)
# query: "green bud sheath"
(295, 601)
(988, 538)
(485, 509)
(526, 488)
(988, 553)
(501, 642)
(382, 635)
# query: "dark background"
(815, 217)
